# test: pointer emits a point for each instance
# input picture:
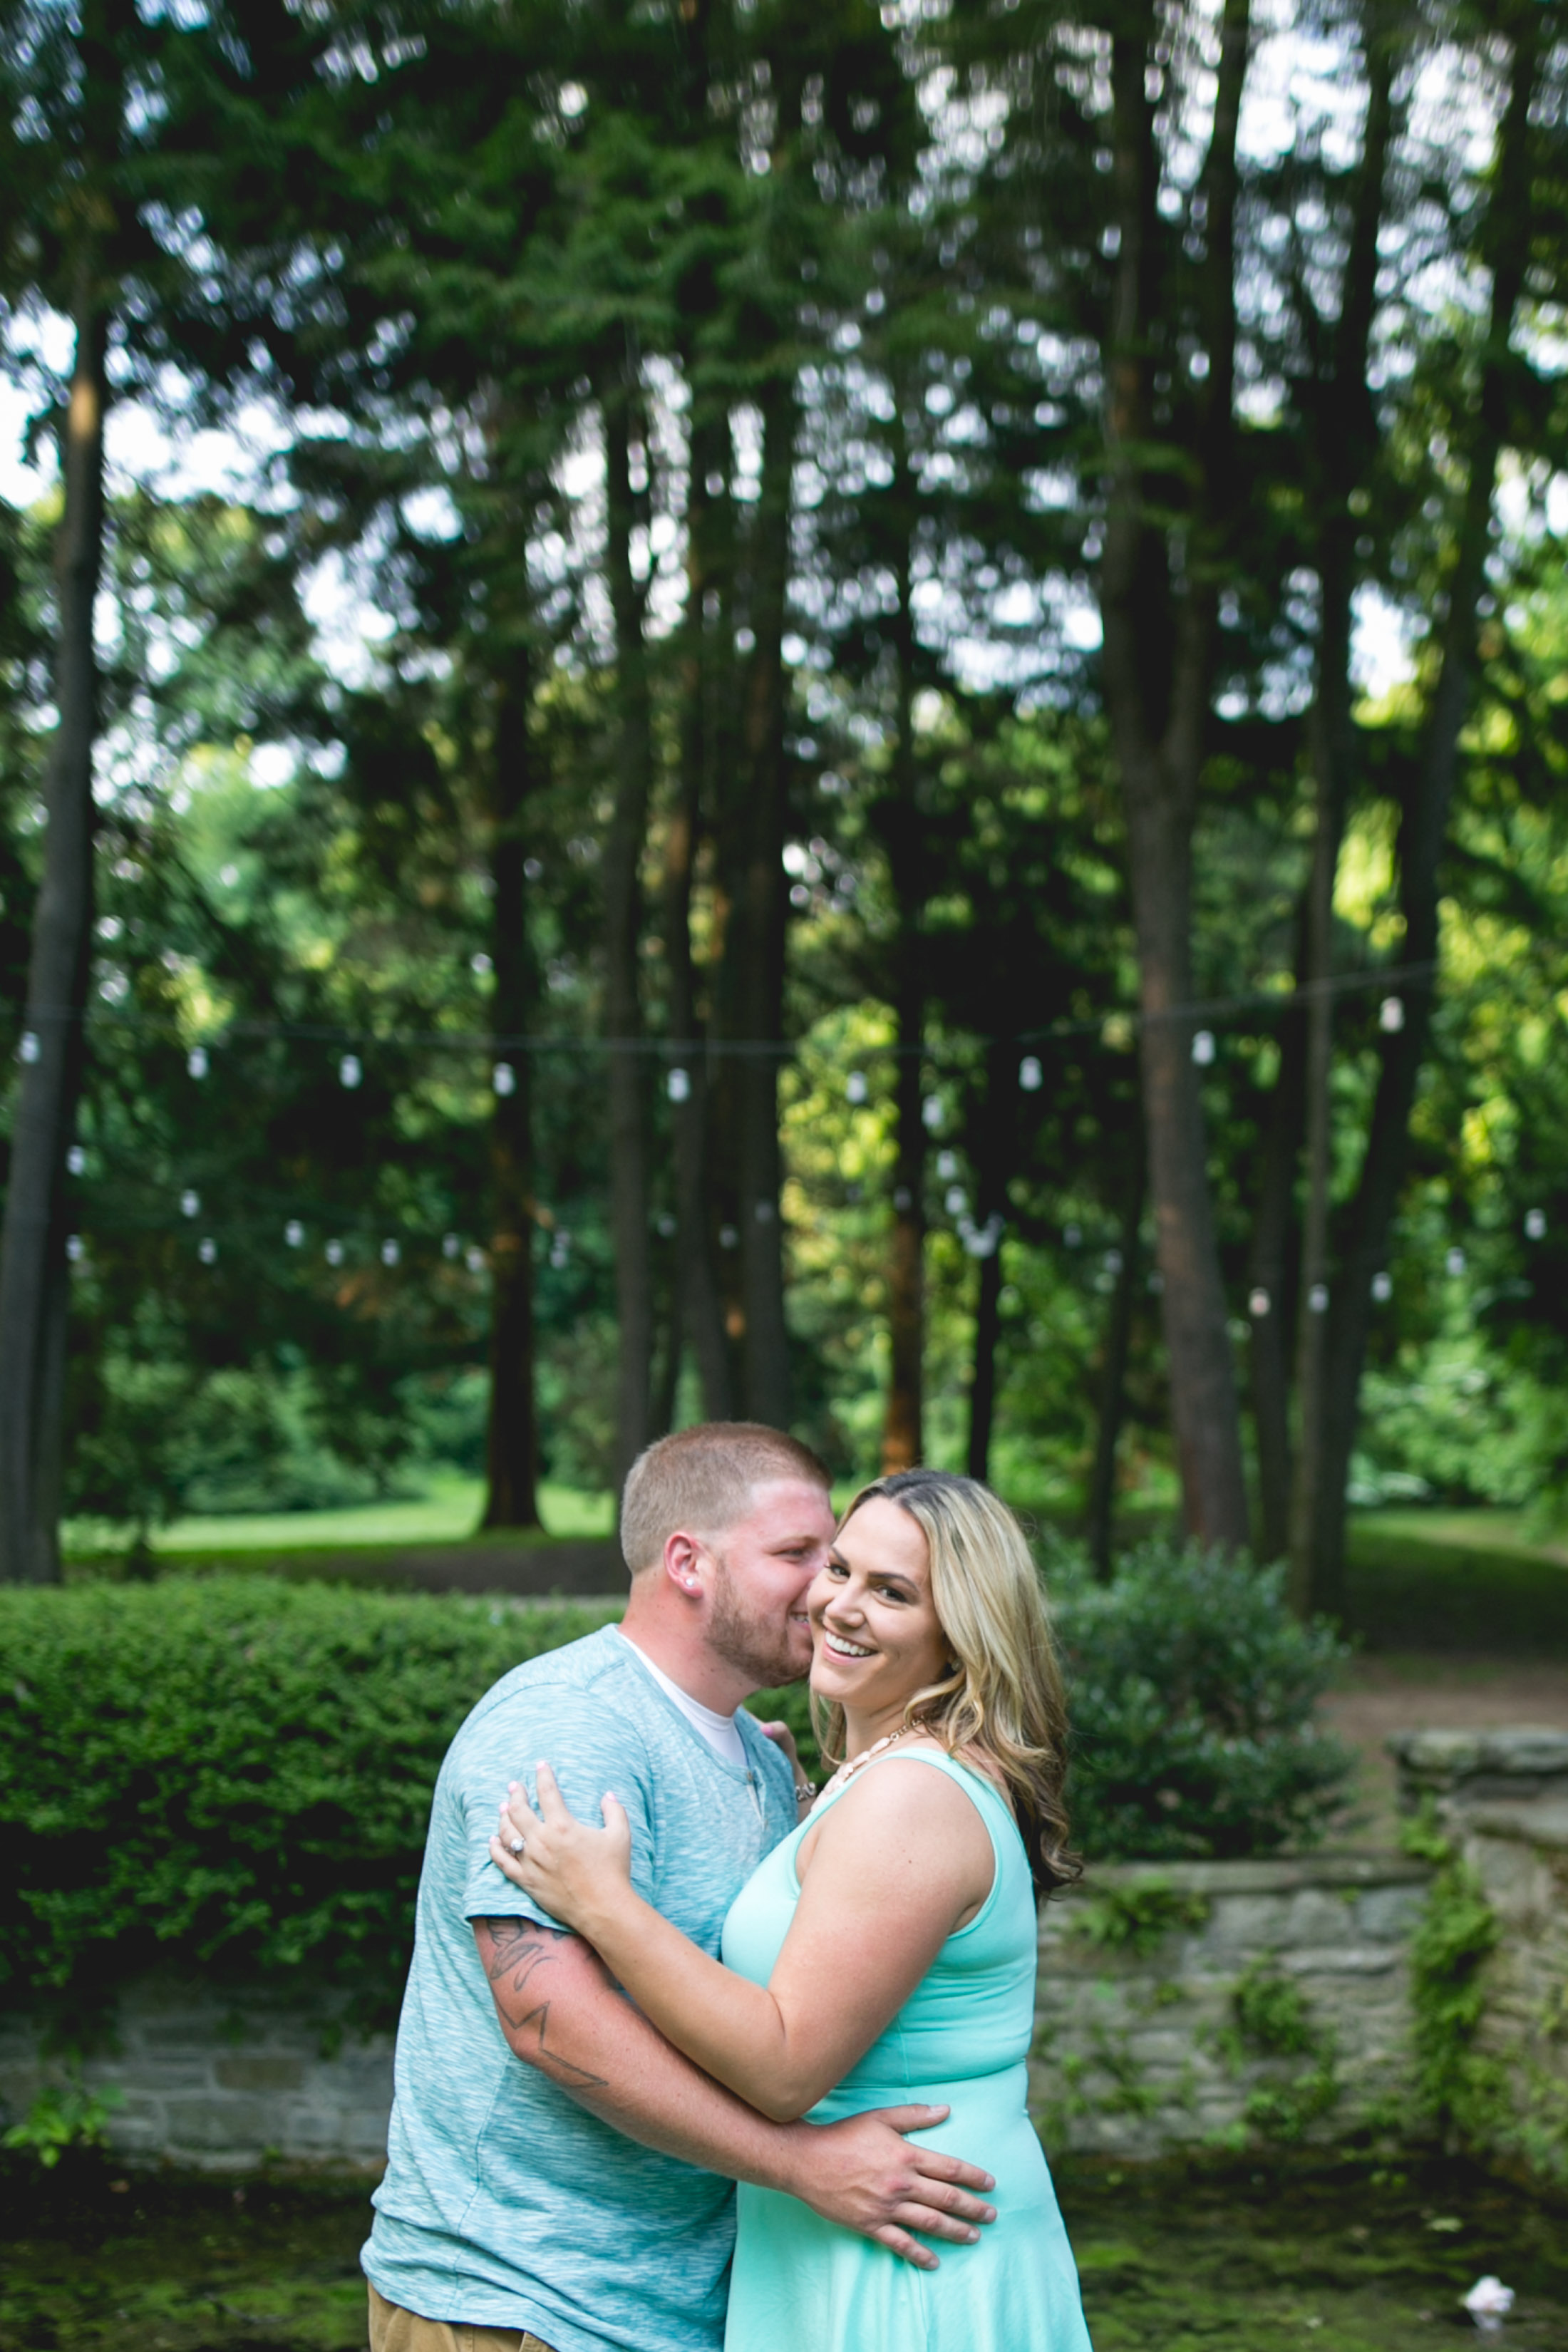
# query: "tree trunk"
(1319, 1561)
(1270, 1272)
(700, 1309)
(511, 1445)
(993, 1157)
(1348, 442)
(1113, 1379)
(1157, 667)
(33, 1266)
(760, 920)
(623, 1021)
(899, 821)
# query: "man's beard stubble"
(746, 1640)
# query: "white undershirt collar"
(722, 1732)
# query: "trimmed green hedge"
(234, 1774)
(230, 1772)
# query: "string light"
(1383, 1288)
(1031, 1077)
(208, 1252)
(76, 1161)
(29, 1049)
(729, 1237)
(451, 1246)
(293, 1233)
(1455, 1262)
(390, 1252)
(334, 1253)
(1391, 1016)
(956, 1200)
(475, 1260)
(1318, 1298)
(930, 1112)
(1203, 1048)
(190, 1204)
(1072, 1235)
(946, 1165)
(1257, 1304)
(1535, 1225)
(350, 1070)
(855, 1088)
(76, 1248)
(678, 1085)
(196, 1062)
(982, 1240)
(503, 1077)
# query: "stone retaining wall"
(1194, 2002)
(224, 2080)
(1178, 2004)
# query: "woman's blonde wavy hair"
(1004, 1696)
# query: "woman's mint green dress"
(960, 2040)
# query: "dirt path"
(1409, 1690)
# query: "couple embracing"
(666, 1965)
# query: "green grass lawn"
(447, 1513)
(1435, 1580)
(1200, 2257)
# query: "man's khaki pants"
(393, 2329)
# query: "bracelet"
(805, 1794)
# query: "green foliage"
(231, 1774)
(1269, 2019)
(1460, 2091)
(1192, 1692)
(64, 2115)
(1137, 1918)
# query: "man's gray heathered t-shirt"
(504, 2203)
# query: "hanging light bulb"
(1031, 1077)
(76, 1248)
(1257, 1303)
(196, 1062)
(1318, 1298)
(1203, 1048)
(208, 1252)
(334, 1253)
(76, 1161)
(1535, 1225)
(350, 1070)
(190, 1204)
(29, 1049)
(475, 1260)
(451, 1245)
(1391, 1016)
(390, 1252)
(930, 1112)
(854, 1087)
(947, 1166)
(1455, 1262)
(956, 1200)
(1072, 1235)
(293, 1233)
(678, 1085)
(1383, 1288)
(503, 1077)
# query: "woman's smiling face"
(874, 1632)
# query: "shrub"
(234, 1774)
(231, 1773)
(1193, 1691)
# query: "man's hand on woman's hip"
(866, 2176)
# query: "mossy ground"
(1339, 2257)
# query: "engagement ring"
(514, 1846)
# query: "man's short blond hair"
(699, 1481)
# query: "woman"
(884, 1951)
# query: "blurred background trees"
(851, 715)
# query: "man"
(581, 2201)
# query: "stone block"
(250, 2074)
(1245, 1923)
(224, 2121)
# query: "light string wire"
(1283, 1003)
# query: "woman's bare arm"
(902, 1859)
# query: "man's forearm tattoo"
(519, 1951)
